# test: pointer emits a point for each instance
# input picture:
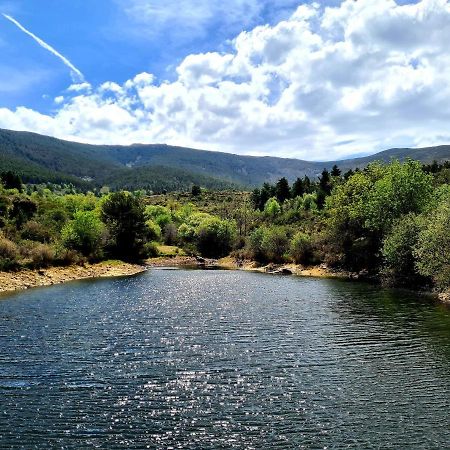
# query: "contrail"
(75, 72)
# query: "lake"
(205, 359)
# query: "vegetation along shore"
(387, 222)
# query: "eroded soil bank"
(25, 279)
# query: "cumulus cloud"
(325, 83)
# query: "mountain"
(158, 167)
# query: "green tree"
(11, 180)
(282, 190)
(301, 250)
(335, 171)
(83, 233)
(298, 188)
(196, 190)
(398, 251)
(215, 237)
(433, 246)
(125, 219)
(272, 208)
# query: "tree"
(196, 190)
(83, 233)
(398, 251)
(301, 248)
(11, 180)
(298, 188)
(335, 171)
(125, 219)
(275, 244)
(215, 237)
(282, 190)
(433, 246)
(307, 185)
(272, 208)
(325, 182)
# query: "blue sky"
(286, 78)
(109, 41)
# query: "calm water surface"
(223, 359)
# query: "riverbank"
(25, 279)
(318, 271)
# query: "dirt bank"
(25, 279)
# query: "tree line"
(390, 221)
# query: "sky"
(311, 80)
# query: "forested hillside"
(159, 168)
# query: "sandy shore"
(25, 279)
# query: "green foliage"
(433, 247)
(275, 244)
(272, 208)
(83, 233)
(398, 251)
(282, 190)
(301, 250)
(125, 219)
(215, 237)
(403, 188)
(268, 244)
(159, 214)
(153, 230)
(196, 190)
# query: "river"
(223, 359)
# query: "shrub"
(153, 230)
(275, 244)
(301, 250)
(272, 208)
(215, 237)
(151, 249)
(35, 231)
(83, 233)
(9, 254)
(42, 255)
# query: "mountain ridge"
(160, 167)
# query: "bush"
(35, 231)
(301, 250)
(215, 237)
(151, 249)
(275, 244)
(9, 254)
(83, 233)
(153, 230)
(255, 246)
(272, 208)
(42, 255)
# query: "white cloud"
(325, 83)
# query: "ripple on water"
(222, 359)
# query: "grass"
(170, 250)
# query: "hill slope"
(162, 167)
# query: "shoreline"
(11, 282)
(26, 279)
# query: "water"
(223, 359)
